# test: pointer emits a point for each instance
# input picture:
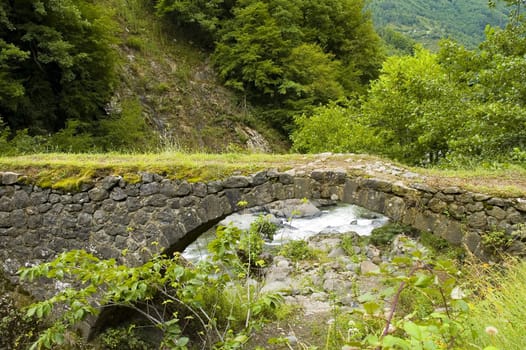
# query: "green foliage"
(413, 108)
(332, 128)
(383, 236)
(442, 323)
(17, 330)
(429, 22)
(126, 130)
(495, 242)
(65, 47)
(496, 318)
(166, 290)
(264, 227)
(122, 339)
(454, 107)
(397, 43)
(292, 54)
(297, 250)
(203, 16)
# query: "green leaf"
(182, 341)
(371, 307)
(413, 330)
(390, 341)
(363, 298)
(424, 280)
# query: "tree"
(203, 16)
(291, 54)
(495, 100)
(57, 59)
(413, 108)
(334, 128)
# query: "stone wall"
(111, 215)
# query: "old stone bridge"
(111, 214)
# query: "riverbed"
(340, 218)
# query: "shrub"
(495, 242)
(297, 250)
(264, 227)
(122, 338)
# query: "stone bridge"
(111, 214)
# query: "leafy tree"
(334, 128)
(495, 100)
(345, 29)
(56, 62)
(204, 16)
(253, 45)
(413, 107)
(311, 77)
(292, 54)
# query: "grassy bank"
(57, 169)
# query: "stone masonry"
(112, 215)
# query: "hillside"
(428, 21)
(177, 89)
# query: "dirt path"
(510, 183)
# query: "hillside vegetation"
(248, 75)
(427, 22)
(128, 75)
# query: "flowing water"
(336, 219)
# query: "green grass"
(501, 304)
(67, 170)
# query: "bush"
(123, 339)
(331, 128)
(297, 250)
(264, 227)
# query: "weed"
(495, 242)
(297, 250)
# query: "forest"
(427, 22)
(317, 71)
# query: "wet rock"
(293, 208)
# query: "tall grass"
(501, 304)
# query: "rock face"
(111, 215)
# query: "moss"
(131, 178)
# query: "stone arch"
(112, 214)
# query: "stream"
(341, 218)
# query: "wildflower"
(492, 331)
(457, 293)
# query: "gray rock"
(118, 194)
(110, 181)
(477, 220)
(497, 213)
(9, 178)
(183, 189)
(97, 194)
(367, 267)
(148, 189)
(292, 208)
(277, 286)
(337, 252)
(237, 182)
